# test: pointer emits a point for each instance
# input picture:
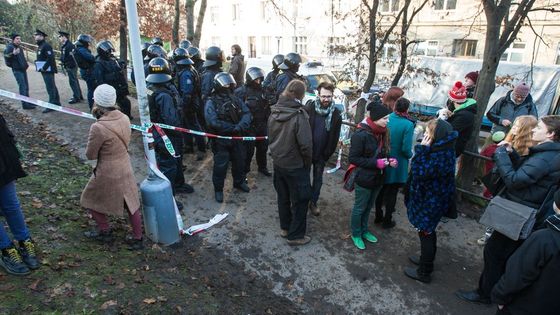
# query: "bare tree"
(123, 42)
(194, 34)
(176, 19)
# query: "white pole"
(138, 68)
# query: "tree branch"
(281, 13)
(535, 32)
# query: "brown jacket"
(112, 183)
(289, 135)
(237, 69)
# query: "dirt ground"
(246, 254)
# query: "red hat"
(473, 75)
(458, 93)
(522, 89)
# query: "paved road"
(327, 276)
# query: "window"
(389, 5)
(236, 12)
(263, 10)
(427, 48)
(300, 44)
(214, 14)
(389, 52)
(265, 45)
(445, 4)
(464, 48)
(558, 54)
(514, 53)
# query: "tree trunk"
(189, 12)
(199, 23)
(404, 46)
(176, 18)
(123, 42)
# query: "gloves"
(381, 163)
(394, 163)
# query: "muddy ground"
(246, 254)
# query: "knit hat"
(14, 35)
(473, 75)
(522, 89)
(105, 96)
(378, 111)
(458, 93)
(498, 136)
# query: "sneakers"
(369, 237)
(11, 261)
(358, 242)
(299, 241)
(28, 254)
(314, 209)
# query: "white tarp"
(544, 80)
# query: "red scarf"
(404, 115)
(378, 131)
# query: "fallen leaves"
(35, 285)
(108, 304)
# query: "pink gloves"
(382, 163)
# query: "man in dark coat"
(15, 59)
(46, 64)
(212, 66)
(227, 115)
(69, 64)
(237, 66)
(85, 60)
(289, 68)
(532, 273)
(461, 114)
(516, 103)
(252, 94)
(325, 121)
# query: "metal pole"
(138, 68)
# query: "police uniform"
(107, 70)
(269, 86)
(85, 61)
(188, 82)
(45, 55)
(69, 63)
(283, 79)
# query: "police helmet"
(254, 73)
(145, 49)
(154, 51)
(181, 57)
(214, 56)
(224, 81)
(105, 48)
(291, 61)
(194, 52)
(185, 44)
(277, 60)
(157, 41)
(158, 71)
(85, 39)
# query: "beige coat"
(112, 182)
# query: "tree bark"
(189, 12)
(176, 18)
(123, 42)
(199, 23)
(403, 44)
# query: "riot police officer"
(86, 61)
(289, 68)
(108, 70)
(185, 44)
(194, 52)
(45, 56)
(227, 115)
(149, 52)
(269, 83)
(165, 108)
(69, 64)
(252, 94)
(188, 83)
(157, 41)
(212, 66)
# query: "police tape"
(144, 128)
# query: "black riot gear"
(158, 71)
(224, 81)
(214, 56)
(181, 57)
(194, 52)
(291, 61)
(254, 73)
(277, 61)
(185, 44)
(105, 48)
(155, 51)
(145, 49)
(85, 39)
(157, 41)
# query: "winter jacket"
(401, 132)
(188, 83)
(226, 114)
(332, 135)
(237, 69)
(66, 57)
(207, 81)
(289, 135)
(258, 105)
(10, 166)
(16, 62)
(269, 86)
(505, 108)
(84, 57)
(165, 108)
(45, 53)
(112, 184)
(431, 186)
(530, 182)
(462, 121)
(364, 152)
(109, 71)
(283, 79)
(532, 274)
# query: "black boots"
(417, 274)
(428, 247)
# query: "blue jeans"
(11, 210)
(50, 84)
(318, 169)
(23, 84)
(74, 83)
(363, 202)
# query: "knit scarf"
(325, 112)
(404, 115)
(378, 131)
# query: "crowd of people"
(185, 90)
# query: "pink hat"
(458, 93)
(522, 89)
